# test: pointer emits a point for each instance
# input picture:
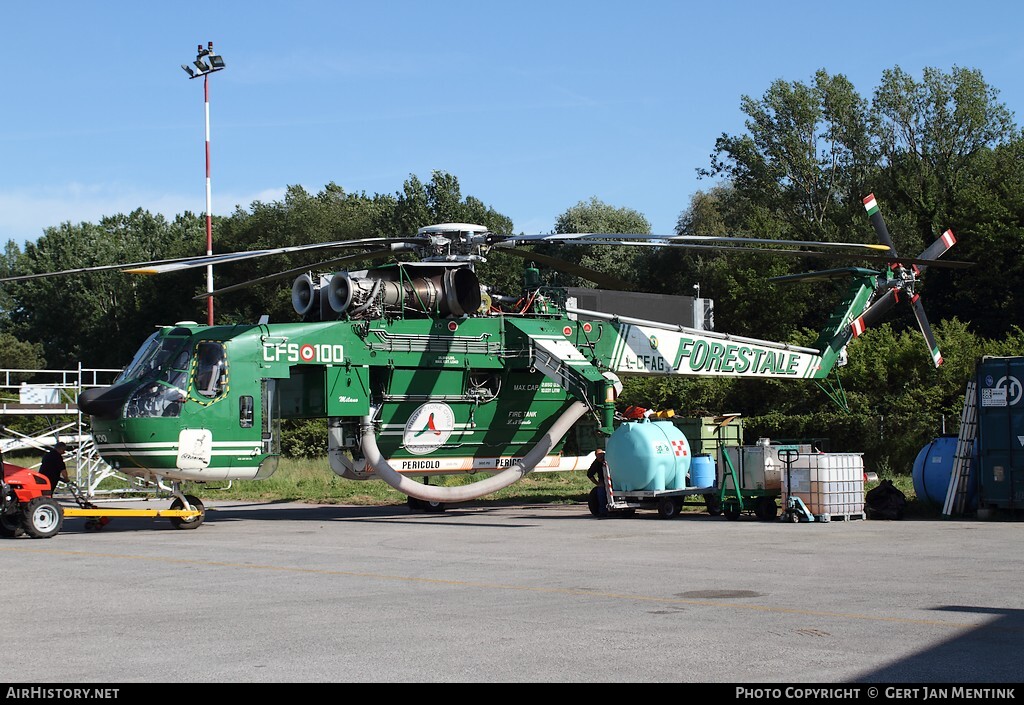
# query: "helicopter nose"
(104, 402)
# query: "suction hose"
(433, 493)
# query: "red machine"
(26, 505)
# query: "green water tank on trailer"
(1000, 442)
(648, 456)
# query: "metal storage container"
(1000, 442)
(758, 467)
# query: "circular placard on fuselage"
(428, 428)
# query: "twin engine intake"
(454, 291)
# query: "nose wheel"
(188, 522)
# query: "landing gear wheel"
(43, 518)
(194, 522)
(11, 526)
(731, 511)
(668, 507)
(421, 505)
(765, 509)
(714, 504)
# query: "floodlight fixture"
(189, 71)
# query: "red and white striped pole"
(209, 205)
(206, 63)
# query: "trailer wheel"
(43, 518)
(593, 502)
(668, 508)
(11, 526)
(731, 511)
(713, 503)
(194, 522)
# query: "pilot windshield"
(166, 373)
(152, 358)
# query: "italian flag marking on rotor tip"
(870, 205)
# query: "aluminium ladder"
(956, 495)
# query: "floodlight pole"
(209, 204)
(204, 69)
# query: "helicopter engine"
(455, 291)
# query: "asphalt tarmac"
(274, 593)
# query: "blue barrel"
(702, 471)
(932, 469)
(648, 456)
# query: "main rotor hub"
(454, 242)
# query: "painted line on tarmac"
(575, 592)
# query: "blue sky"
(534, 106)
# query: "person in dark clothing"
(53, 466)
(596, 474)
(596, 471)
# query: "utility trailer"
(668, 503)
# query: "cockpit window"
(154, 357)
(211, 375)
(164, 392)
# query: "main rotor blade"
(658, 240)
(606, 280)
(926, 330)
(875, 215)
(158, 268)
(951, 264)
(376, 254)
(875, 312)
(825, 275)
(99, 268)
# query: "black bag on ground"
(885, 502)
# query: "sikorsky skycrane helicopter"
(421, 370)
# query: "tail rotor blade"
(875, 312)
(875, 215)
(926, 330)
(937, 248)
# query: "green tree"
(806, 156)
(17, 354)
(99, 319)
(928, 134)
(596, 216)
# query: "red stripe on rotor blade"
(857, 327)
(948, 238)
(915, 298)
